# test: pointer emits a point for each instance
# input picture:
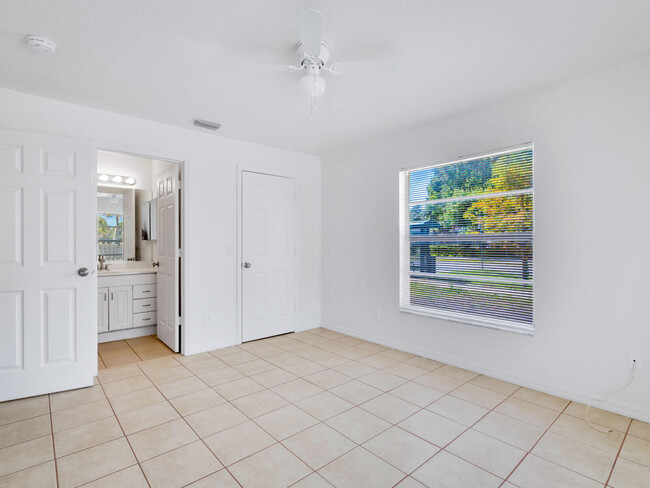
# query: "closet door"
(268, 255)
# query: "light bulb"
(103, 177)
(130, 180)
(117, 179)
(313, 85)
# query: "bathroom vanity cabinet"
(126, 301)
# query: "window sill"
(472, 320)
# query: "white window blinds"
(466, 240)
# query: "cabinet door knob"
(247, 265)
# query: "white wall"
(211, 202)
(592, 297)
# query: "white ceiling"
(168, 60)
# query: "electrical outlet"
(634, 360)
(206, 321)
(376, 314)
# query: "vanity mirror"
(115, 223)
(125, 218)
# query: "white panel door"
(168, 326)
(102, 310)
(120, 309)
(47, 309)
(268, 255)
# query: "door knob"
(247, 265)
(83, 271)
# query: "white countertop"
(132, 271)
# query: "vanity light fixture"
(116, 180)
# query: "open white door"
(168, 327)
(268, 255)
(47, 308)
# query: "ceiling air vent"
(205, 124)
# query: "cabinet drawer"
(144, 305)
(144, 291)
(146, 318)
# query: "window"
(466, 240)
(110, 226)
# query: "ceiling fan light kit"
(313, 85)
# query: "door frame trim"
(150, 153)
(241, 169)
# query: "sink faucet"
(101, 265)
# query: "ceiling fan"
(312, 54)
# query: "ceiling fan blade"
(311, 22)
(355, 67)
(277, 68)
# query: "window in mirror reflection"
(110, 226)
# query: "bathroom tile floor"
(130, 351)
(312, 409)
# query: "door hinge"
(179, 321)
(179, 253)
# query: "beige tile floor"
(130, 351)
(312, 409)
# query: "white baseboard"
(232, 342)
(117, 335)
(211, 347)
(620, 408)
(302, 329)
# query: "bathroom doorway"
(139, 257)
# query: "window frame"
(405, 243)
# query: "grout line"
(102, 361)
(125, 437)
(444, 448)
(192, 428)
(4, 476)
(535, 445)
(280, 441)
(351, 408)
(21, 420)
(618, 453)
(56, 464)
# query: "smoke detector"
(40, 44)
